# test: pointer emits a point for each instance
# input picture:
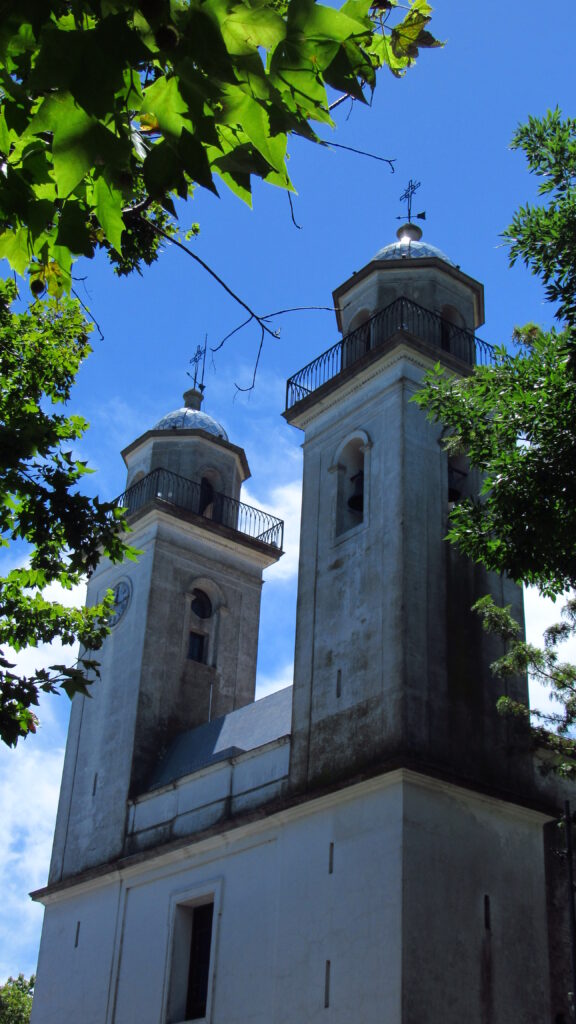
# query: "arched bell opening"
(358, 338)
(458, 468)
(454, 335)
(351, 487)
(204, 603)
(210, 502)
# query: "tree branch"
(180, 245)
(361, 152)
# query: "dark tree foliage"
(52, 533)
(112, 109)
(516, 421)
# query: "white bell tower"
(391, 664)
(183, 645)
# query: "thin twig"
(89, 313)
(299, 226)
(299, 309)
(361, 152)
(262, 321)
(221, 343)
(208, 269)
(256, 365)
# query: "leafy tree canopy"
(516, 421)
(552, 730)
(44, 519)
(113, 108)
(16, 1000)
(543, 235)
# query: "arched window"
(454, 335)
(458, 468)
(357, 340)
(205, 602)
(351, 490)
(211, 502)
(198, 639)
(206, 498)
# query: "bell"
(356, 500)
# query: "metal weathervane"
(407, 197)
(199, 357)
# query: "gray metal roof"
(412, 250)
(246, 729)
(191, 419)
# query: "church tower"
(391, 665)
(183, 645)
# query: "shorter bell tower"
(183, 644)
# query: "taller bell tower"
(391, 664)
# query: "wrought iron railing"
(401, 315)
(163, 486)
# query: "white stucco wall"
(399, 918)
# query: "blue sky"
(447, 124)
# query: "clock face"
(121, 601)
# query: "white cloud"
(278, 681)
(283, 501)
(541, 612)
(29, 785)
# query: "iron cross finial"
(408, 195)
(199, 357)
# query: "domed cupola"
(190, 417)
(411, 269)
(410, 247)
(190, 445)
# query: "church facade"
(368, 845)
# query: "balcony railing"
(401, 315)
(176, 491)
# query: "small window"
(197, 647)
(190, 971)
(199, 966)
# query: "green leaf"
(5, 134)
(108, 204)
(241, 109)
(314, 20)
(73, 148)
(195, 161)
(163, 102)
(163, 171)
(73, 232)
(14, 248)
(246, 29)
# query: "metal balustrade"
(402, 315)
(165, 487)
